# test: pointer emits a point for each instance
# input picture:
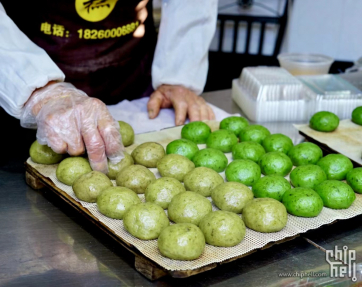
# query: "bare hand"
(184, 101)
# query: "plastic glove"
(70, 121)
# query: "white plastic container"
(269, 94)
(333, 94)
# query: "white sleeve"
(24, 67)
(186, 31)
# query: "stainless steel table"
(44, 243)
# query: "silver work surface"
(43, 242)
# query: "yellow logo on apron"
(94, 10)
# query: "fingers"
(95, 148)
(194, 112)
(181, 108)
(154, 104)
(211, 113)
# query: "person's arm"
(24, 67)
(67, 120)
(180, 63)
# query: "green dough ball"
(234, 124)
(197, 132)
(114, 201)
(357, 116)
(303, 202)
(44, 154)
(244, 171)
(324, 122)
(175, 165)
(336, 166)
(182, 241)
(272, 186)
(71, 168)
(127, 133)
(145, 220)
(275, 163)
(231, 196)
(307, 176)
(211, 158)
(336, 194)
(188, 207)
(223, 228)
(202, 180)
(354, 179)
(277, 142)
(136, 178)
(148, 154)
(183, 147)
(88, 186)
(305, 153)
(265, 215)
(114, 169)
(248, 150)
(163, 190)
(254, 133)
(222, 140)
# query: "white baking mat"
(253, 240)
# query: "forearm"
(24, 67)
(186, 31)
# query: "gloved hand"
(70, 121)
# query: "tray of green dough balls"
(187, 197)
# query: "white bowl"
(305, 64)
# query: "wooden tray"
(143, 264)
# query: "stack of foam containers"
(333, 94)
(270, 94)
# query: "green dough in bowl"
(175, 165)
(336, 194)
(277, 142)
(248, 150)
(222, 140)
(114, 201)
(136, 178)
(43, 154)
(244, 171)
(223, 228)
(148, 154)
(71, 168)
(114, 169)
(197, 132)
(307, 176)
(188, 207)
(211, 158)
(202, 180)
(324, 121)
(234, 124)
(182, 241)
(183, 147)
(303, 202)
(254, 133)
(265, 215)
(305, 153)
(127, 133)
(163, 190)
(336, 166)
(275, 163)
(357, 116)
(145, 220)
(271, 186)
(87, 187)
(231, 196)
(354, 179)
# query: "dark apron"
(93, 42)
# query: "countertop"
(45, 243)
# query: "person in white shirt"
(106, 51)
